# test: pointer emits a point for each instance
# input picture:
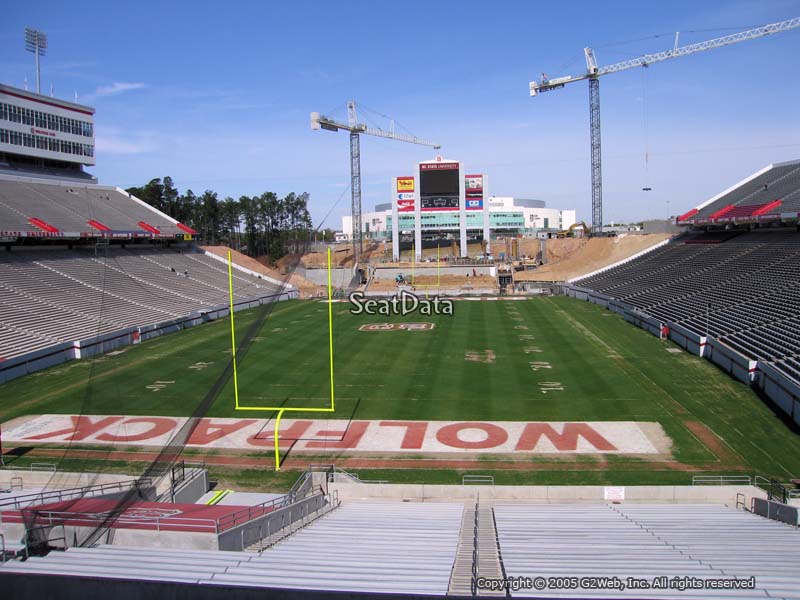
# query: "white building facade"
(453, 205)
(37, 127)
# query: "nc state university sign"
(315, 436)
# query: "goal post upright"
(233, 333)
(283, 409)
(330, 329)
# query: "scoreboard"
(438, 186)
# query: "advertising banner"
(404, 194)
(474, 192)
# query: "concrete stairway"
(486, 557)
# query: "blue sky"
(217, 95)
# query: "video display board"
(439, 186)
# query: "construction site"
(483, 387)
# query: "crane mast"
(355, 128)
(593, 73)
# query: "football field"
(537, 360)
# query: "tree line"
(264, 225)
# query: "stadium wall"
(736, 365)
(776, 386)
(56, 354)
(103, 343)
(247, 534)
(340, 276)
(688, 340)
(438, 291)
(36, 361)
(776, 511)
(547, 494)
(427, 269)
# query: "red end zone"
(153, 516)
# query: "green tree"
(169, 197)
(263, 225)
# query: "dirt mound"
(281, 273)
(573, 257)
(525, 246)
(341, 256)
(561, 249)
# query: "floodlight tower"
(36, 42)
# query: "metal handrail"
(43, 467)
(47, 540)
(330, 502)
(53, 517)
(475, 550)
(69, 493)
(500, 554)
(252, 512)
(3, 547)
(354, 476)
(295, 489)
(773, 487)
(722, 480)
(465, 479)
(776, 491)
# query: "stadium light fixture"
(36, 42)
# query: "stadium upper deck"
(771, 194)
(31, 208)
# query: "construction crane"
(593, 74)
(355, 128)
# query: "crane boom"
(592, 70)
(355, 128)
(333, 125)
(593, 74)
(742, 36)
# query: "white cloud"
(115, 143)
(118, 87)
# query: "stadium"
(466, 395)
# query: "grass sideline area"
(609, 371)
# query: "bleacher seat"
(742, 289)
(53, 296)
(74, 207)
(648, 540)
(771, 192)
(362, 546)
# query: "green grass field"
(608, 369)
